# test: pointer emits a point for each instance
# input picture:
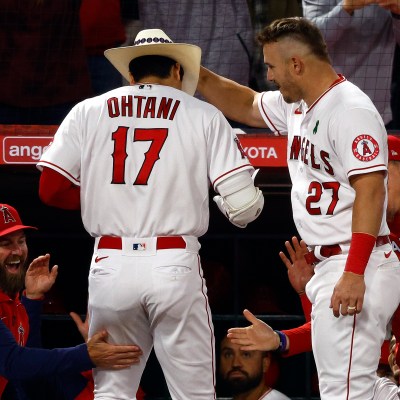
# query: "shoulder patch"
(365, 147)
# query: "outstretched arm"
(18, 362)
(237, 102)
(257, 336)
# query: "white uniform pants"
(346, 371)
(154, 298)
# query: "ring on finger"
(351, 308)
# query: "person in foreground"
(260, 336)
(243, 372)
(20, 317)
(139, 161)
(337, 159)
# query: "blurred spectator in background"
(244, 373)
(105, 24)
(361, 39)
(263, 12)
(222, 29)
(43, 69)
(102, 27)
(395, 102)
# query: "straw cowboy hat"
(154, 42)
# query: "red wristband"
(360, 250)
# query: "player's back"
(147, 153)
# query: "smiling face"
(242, 370)
(13, 256)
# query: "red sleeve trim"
(57, 168)
(269, 120)
(370, 167)
(229, 172)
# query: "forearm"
(370, 195)
(18, 362)
(234, 100)
(332, 21)
(34, 311)
(299, 340)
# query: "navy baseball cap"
(10, 220)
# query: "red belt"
(163, 242)
(335, 249)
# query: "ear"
(131, 80)
(297, 65)
(175, 71)
(266, 361)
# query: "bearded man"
(243, 372)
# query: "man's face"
(241, 370)
(13, 256)
(279, 70)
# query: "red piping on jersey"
(266, 115)
(335, 83)
(363, 169)
(351, 356)
(61, 169)
(226, 173)
(212, 344)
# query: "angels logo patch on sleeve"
(365, 147)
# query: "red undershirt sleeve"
(57, 191)
(299, 340)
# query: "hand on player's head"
(299, 271)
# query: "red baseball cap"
(10, 220)
(394, 148)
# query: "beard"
(239, 386)
(11, 284)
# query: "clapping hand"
(39, 278)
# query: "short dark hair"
(297, 28)
(159, 66)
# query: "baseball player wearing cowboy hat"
(139, 161)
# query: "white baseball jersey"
(320, 164)
(144, 156)
(341, 134)
(385, 389)
(274, 394)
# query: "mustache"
(237, 369)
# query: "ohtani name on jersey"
(142, 107)
(303, 149)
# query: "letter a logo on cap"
(8, 217)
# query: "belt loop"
(317, 253)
